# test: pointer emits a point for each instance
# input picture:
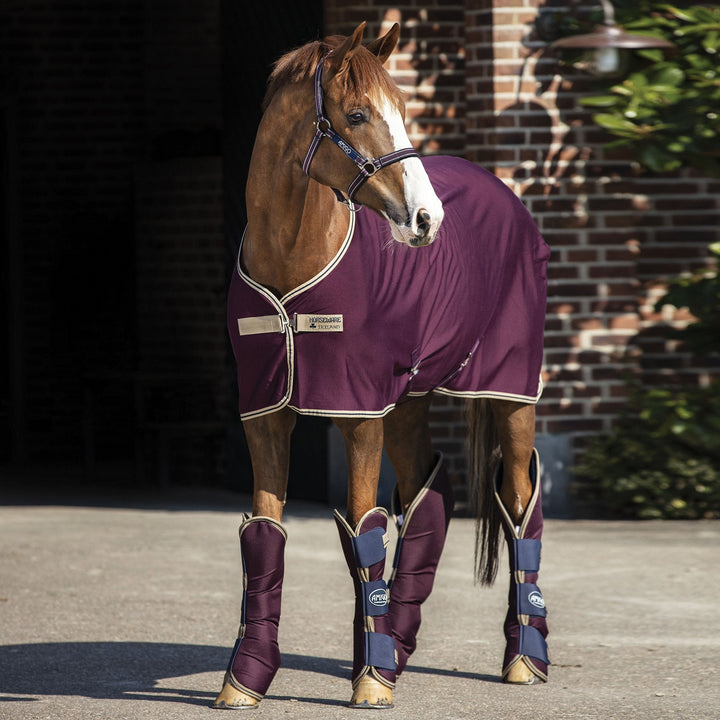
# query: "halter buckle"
(369, 168)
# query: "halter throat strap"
(366, 166)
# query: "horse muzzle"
(421, 230)
(424, 228)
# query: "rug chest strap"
(301, 322)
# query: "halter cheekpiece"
(366, 166)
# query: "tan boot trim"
(247, 520)
(418, 498)
(381, 679)
(230, 680)
(354, 532)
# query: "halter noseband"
(366, 166)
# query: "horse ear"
(383, 46)
(340, 57)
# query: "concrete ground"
(128, 610)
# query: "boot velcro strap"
(380, 651)
(526, 555)
(369, 548)
(530, 600)
(375, 597)
(533, 644)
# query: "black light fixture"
(604, 45)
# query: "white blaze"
(419, 192)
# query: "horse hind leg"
(517, 494)
(526, 661)
(422, 505)
(422, 528)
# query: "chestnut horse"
(368, 279)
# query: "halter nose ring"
(366, 166)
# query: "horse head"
(361, 109)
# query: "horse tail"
(483, 459)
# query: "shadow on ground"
(132, 670)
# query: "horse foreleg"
(363, 449)
(268, 439)
(422, 507)
(363, 536)
(518, 496)
(256, 656)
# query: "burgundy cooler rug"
(383, 321)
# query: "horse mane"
(365, 75)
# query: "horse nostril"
(423, 221)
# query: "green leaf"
(657, 159)
(672, 76)
(599, 101)
(681, 15)
(706, 15)
(697, 61)
(711, 41)
(639, 80)
(654, 54)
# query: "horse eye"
(355, 118)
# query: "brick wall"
(495, 94)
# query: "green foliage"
(662, 459)
(700, 293)
(666, 111)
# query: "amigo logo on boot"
(378, 598)
(536, 599)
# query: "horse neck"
(295, 225)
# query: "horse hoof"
(230, 698)
(521, 674)
(371, 694)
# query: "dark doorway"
(11, 381)
(254, 36)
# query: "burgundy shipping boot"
(526, 659)
(421, 536)
(374, 656)
(256, 655)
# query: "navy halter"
(366, 166)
